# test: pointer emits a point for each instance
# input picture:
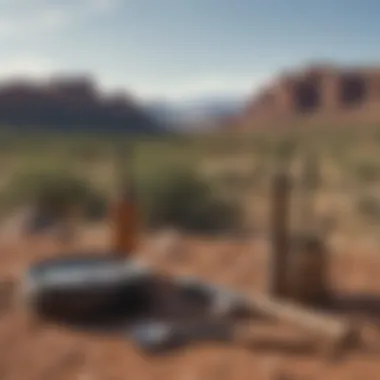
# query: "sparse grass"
(181, 197)
(55, 191)
(367, 171)
(369, 207)
(238, 166)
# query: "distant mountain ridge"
(71, 104)
(315, 95)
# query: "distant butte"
(321, 93)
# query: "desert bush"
(285, 149)
(369, 206)
(55, 192)
(232, 180)
(367, 171)
(179, 196)
(169, 194)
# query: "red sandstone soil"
(30, 351)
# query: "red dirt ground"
(30, 351)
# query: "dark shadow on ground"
(361, 304)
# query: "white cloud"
(26, 66)
(211, 85)
(42, 18)
(39, 22)
(51, 19)
(172, 89)
(101, 5)
(7, 27)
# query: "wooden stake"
(125, 215)
(280, 238)
(333, 331)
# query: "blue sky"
(179, 49)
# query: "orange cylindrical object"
(126, 227)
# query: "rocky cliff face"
(320, 90)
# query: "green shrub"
(311, 175)
(175, 196)
(56, 192)
(285, 149)
(368, 171)
(369, 206)
(178, 196)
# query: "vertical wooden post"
(124, 210)
(307, 273)
(280, 233)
